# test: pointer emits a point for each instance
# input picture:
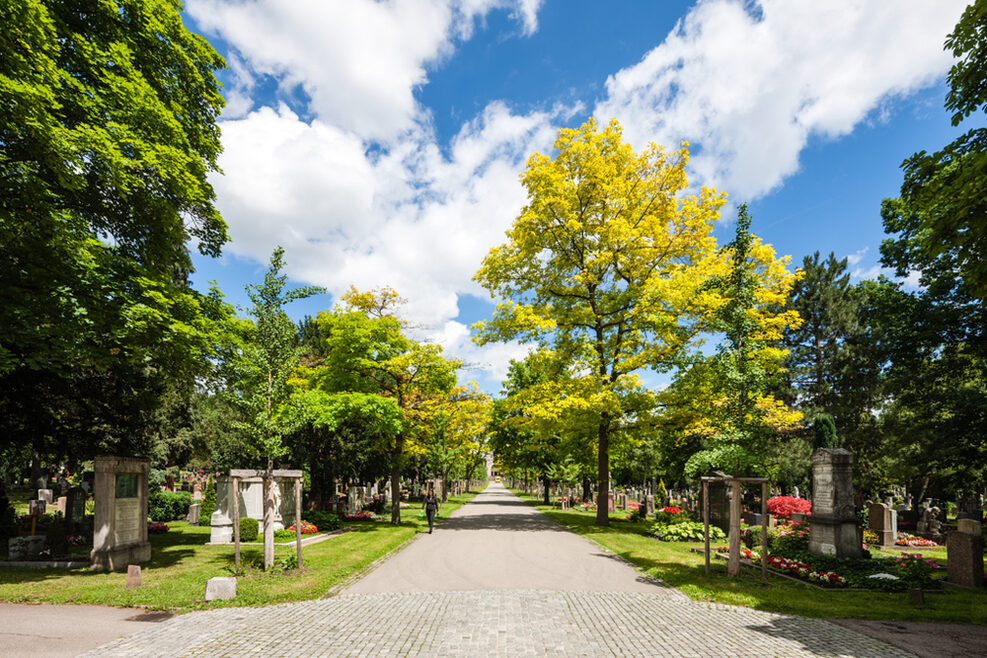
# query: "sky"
(380, 142)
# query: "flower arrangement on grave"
(307, 528)
(915, 569)
(360, 516)
(796, 568)
(905, 539)
(671, 509)
(782, 507)
(156, 528)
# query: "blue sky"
(379, 142)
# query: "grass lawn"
(181, 563)
(675, 564)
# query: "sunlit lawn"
(181, 563)
(675, 564)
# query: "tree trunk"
(586, 494)
(445, 488)
(268, 517)
(396, 481)
(545, 489)
(603, 475)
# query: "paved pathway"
(470, 589)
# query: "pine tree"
(825, 302)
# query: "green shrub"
(870, 537)
(685, 531)
(324, 521)
(248, 529)
(168, 505)
(791, 540)
(752, 538)
(824, 432)
(57, 540)
(208, 504)
(8, 519)
(284, 535)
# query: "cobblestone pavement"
(497, 623)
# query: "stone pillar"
(649, 509)
(120, 531)
(833, 529)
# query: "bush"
(284, 535)
(870, 537)
(8, 519)
(325, 521)
(168, 505)
(782, 507)
(57, 540)
(671, 515)
(685, 531)
(824, 432)
(154, 528)
(791, 540)
(249, 529)
(307, 528)
(208, 504)
(752, 538)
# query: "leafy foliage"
(685, 531)
(249, 529)
(168, 505)
(604, 267)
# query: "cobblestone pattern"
(497, 623)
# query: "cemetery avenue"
(499, 579)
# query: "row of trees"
(107, 134)
(610, 270)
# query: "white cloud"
(358, 61)
(751, 90)
(410, 218)
(857, 256)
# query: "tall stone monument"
(833, 529)
(120, 531)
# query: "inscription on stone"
(126, 521)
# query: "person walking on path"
(431, 506)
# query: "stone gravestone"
(353, 500)
(46, 495)
(965, 559)
(120, 535)
(833, 529)
(882, 520)
(75, 504)
(719, 504)
(649, 506)
(193, 513)
(623, 501)
(251, 505)
(968, 508)
(611, 502)
(968, 526)
(930, 526)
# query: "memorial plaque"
(126, 485)
(126, 521)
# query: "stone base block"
(119, 557)
(834, 537)
(886, 537)
(25, 548)
(221, 587)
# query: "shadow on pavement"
(515, 522)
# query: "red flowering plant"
(307, 528)
(156, 528)
(782, 507)
(671, 510)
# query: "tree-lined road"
(497, 542)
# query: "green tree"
(729, 393)
(605, 266)
(267, 357)
(371, 362)
(107, 133)
(947, 190)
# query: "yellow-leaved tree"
(724, 399)
(606, 266)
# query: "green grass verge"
(675, 564)
(175, 577)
